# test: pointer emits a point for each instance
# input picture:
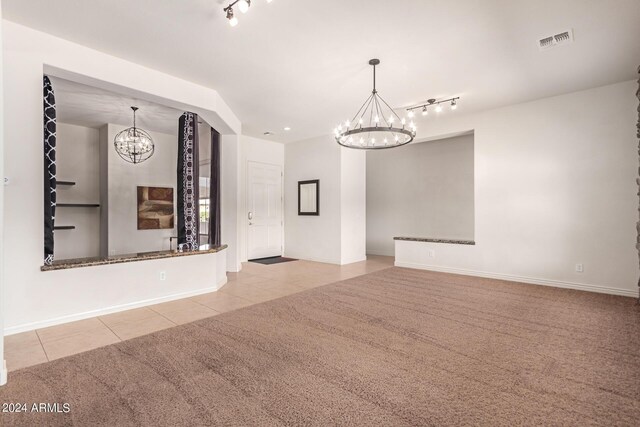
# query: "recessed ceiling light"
(268, 133)
(287, 128)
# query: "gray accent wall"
(78, 160)
(423, 189)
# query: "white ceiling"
(89, 106)
(303, 63)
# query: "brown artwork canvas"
(155, 208)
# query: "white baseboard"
(354, 261)
(326, 261)
(3, 373)
(314, 259)
(109, 310)
(380, 253)
(522, 279)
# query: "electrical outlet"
(163, 276)
(579, 268)
(431, 253)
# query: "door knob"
(250, 223)
(250, 215)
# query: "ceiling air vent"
(546, 42)
(555, 40)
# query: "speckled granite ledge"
(65, 264)
(430, 240)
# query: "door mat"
(272, 260)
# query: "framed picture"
(309, 197)
(155, 208)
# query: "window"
(204, 204)
(204, 216)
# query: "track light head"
(424, 111)
(233, 21)
(454, 104)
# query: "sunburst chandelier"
(133, 144)
(376, 125)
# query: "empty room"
(292, 213)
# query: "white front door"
(264, 210)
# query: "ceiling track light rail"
(424, 108)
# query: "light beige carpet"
(397, 347)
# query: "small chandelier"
(376, 125)
(134, 145)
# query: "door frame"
(246, 204)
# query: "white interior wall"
(160, 170)
(104, 289)
(3, 365)
(554, 187)
(104, 146)
(77, 160)
(353, 205)
(71, 61)
(337, 235)
(230, 199)
(315, 238)
(254, 150)
(33, 298)
(420, 190)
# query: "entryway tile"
(78, 342)
(222, 302)
(183, 311)
(134, 323)
(22, 350)
(62, 331)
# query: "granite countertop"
(432, 240)
(65, 264)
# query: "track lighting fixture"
(233, 21)
(433, 103)
(243, 7)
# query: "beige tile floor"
(254, 284)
